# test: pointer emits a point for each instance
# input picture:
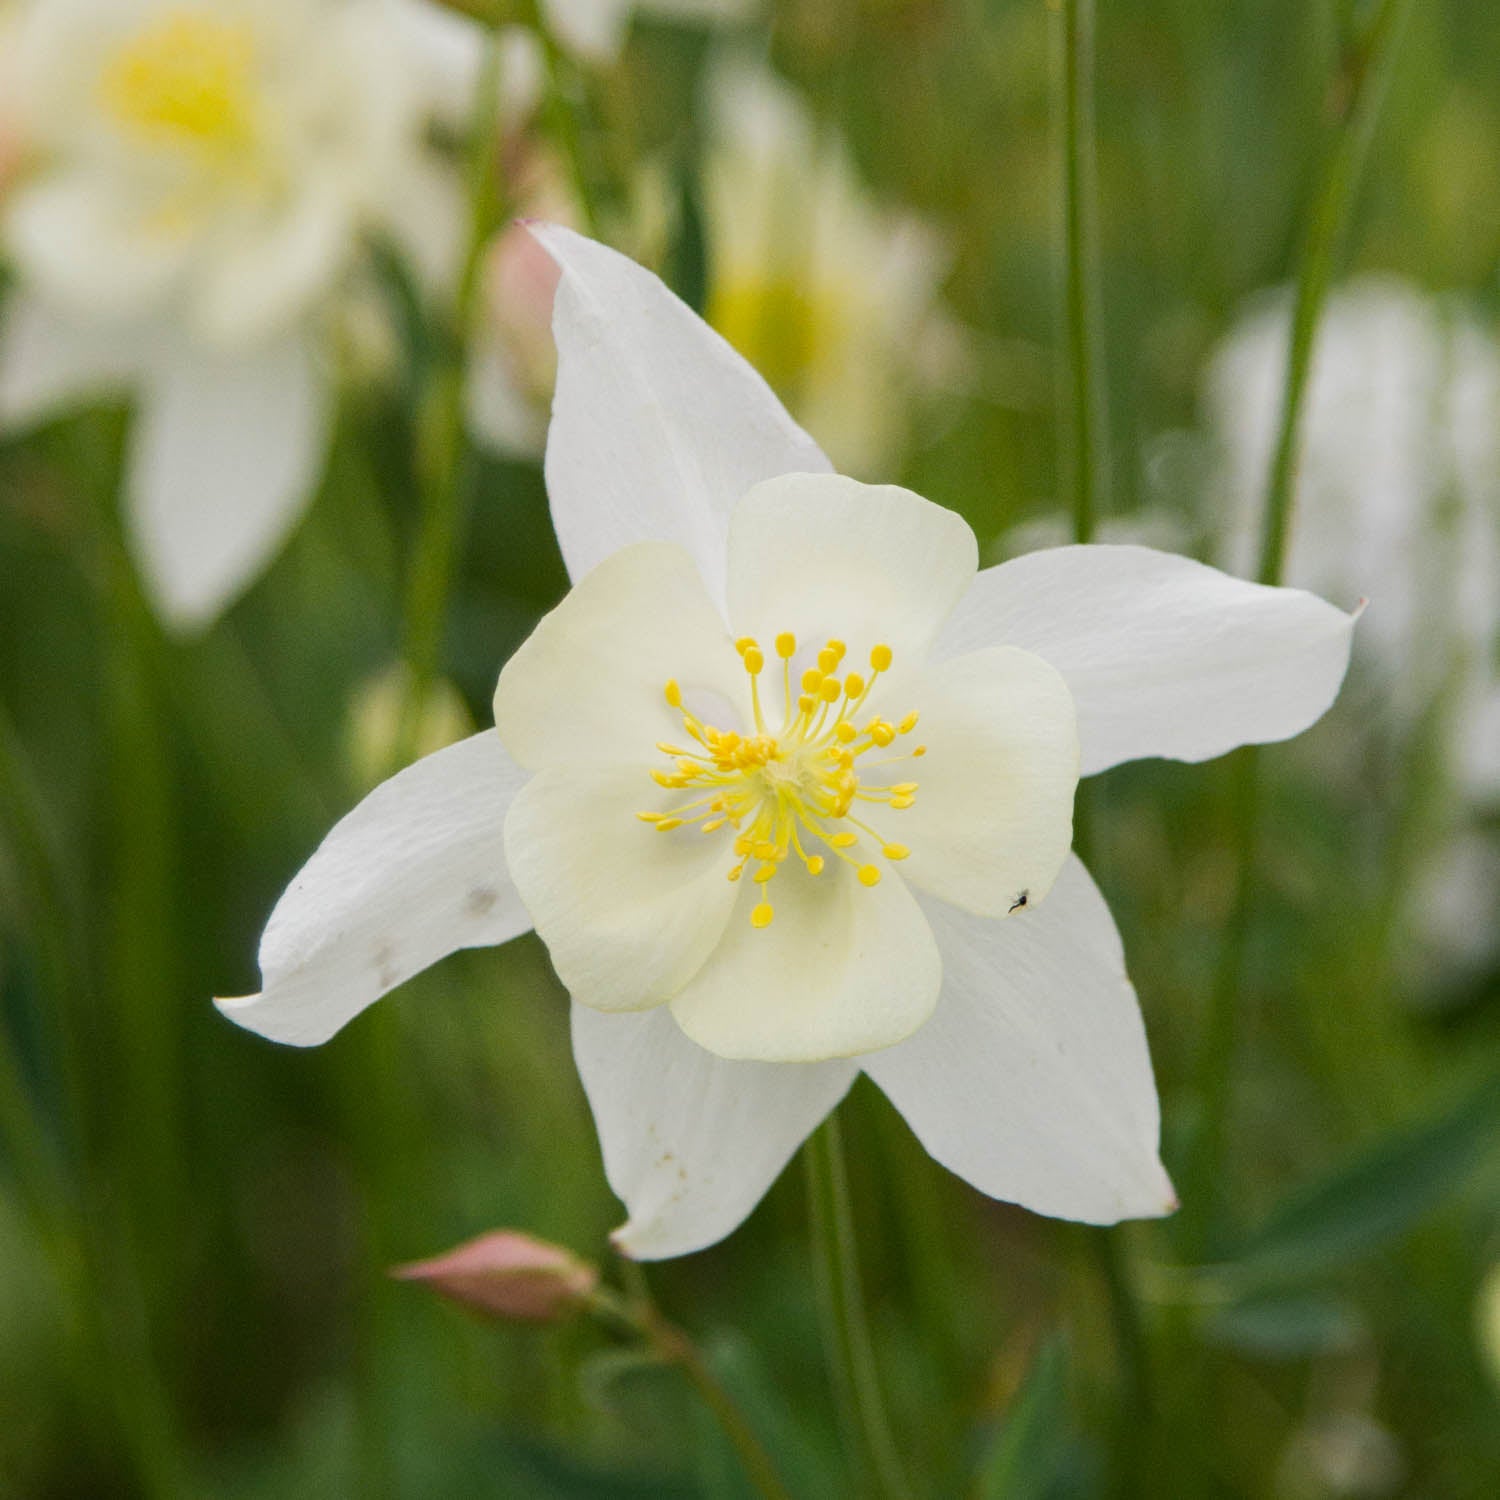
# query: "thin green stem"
(637, 1314)
(1085, 456)
(850, 1350)
(1354, 101)
(440, 446)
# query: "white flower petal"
(264, 278)
(658, 426)
(416, 871)
(993, 818)
(842, 969)
(86, 241)
(1164, 655)
(595, 29)
(586, 687)
(226, 453)
(48, 361)
(691, 1142)
(827, 557)
(1032, 1081)
(628, 914)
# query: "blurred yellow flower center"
(777, 324)
(793, 791)
(187, 77)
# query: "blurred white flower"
(1398, 495)
(204, 173)
(831, 298)
(1399, 498)
(596, 29)
(785, 784)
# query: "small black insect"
(1020, 901)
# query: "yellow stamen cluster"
(775, 790)
(187, 76)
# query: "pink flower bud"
(507, 1274)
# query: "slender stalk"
(1086, 441)
(637, 1314)
(1355, 101)
(1086, 462)
(850, 1351)
(440, 448)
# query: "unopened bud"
(507, 1274)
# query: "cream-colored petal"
(1032, 1081)
(993, 817)
(586, 688)
(658, 426)
(691, 1141)
(842, 969)
(829, 558)
(416, 871)
(629, 914)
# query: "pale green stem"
(1086, 445)
(1086, 462)
(1355, 99)
(638, 1315)
(440, 447)
(850, 1351)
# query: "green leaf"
(1025, 1456)
(1374, 1198)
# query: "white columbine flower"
(203, 174)
(785, 784)
(1399, 488)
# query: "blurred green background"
(195, 1226)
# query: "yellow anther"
(778, 785)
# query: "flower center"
(794, 791)
(186, 78)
